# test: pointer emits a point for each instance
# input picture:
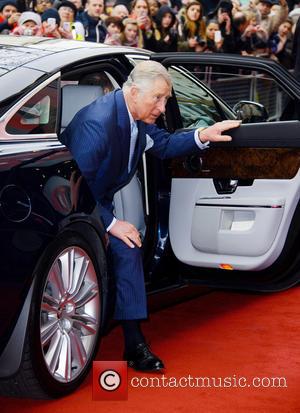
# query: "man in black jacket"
(92, 20)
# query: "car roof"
(46, 54)
(26, 59)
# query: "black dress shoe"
(142, 359)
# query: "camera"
(28, 31)
(200, 41)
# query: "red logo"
(110, 380)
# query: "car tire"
(63, 331)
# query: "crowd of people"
(247, 27)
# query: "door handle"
(226, 186)
(193, 163)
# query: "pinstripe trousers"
(127, 267)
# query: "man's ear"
(134, 91)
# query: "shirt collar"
(130, 115)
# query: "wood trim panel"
(239, 163)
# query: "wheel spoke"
(53, 352)
(49, 304)
(86, 294)
(85, 329)
(66, 266)
(78, 350)
(64, 363)
(85, 318)
(56, 282)
(48, 330)
(78, 274)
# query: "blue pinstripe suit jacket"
(99, 138)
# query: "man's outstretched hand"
(127, 233)
(214, 133)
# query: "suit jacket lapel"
(123, 129)
(140, 147)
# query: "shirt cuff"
(111, 224)
(200, 144)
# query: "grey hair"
(145, 73)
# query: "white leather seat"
(128, 202)
(76, 97)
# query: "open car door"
(235, 206)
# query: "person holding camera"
(9, 16)
(192, 29)
(140, 12)
(223, 15)
(69, 28)
(165, 33)
(214, 40)
(29, 24)
(50, 24)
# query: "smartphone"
(28, 31)
(67, 26)
(218, 36)
(51, 21)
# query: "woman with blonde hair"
(192, 29)
(129, 36)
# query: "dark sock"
(132, 334)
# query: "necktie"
(133, 139)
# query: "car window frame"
(224, 110)
(7, 116)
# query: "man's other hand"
(127, 233)
(214, 133)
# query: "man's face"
(154, 7)
(8, 11)
(95, 8)
(264, 8)
(42, 5)
(151, 103)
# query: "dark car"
(235, 207)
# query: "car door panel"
(246, 230)
(245, 226)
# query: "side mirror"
(250, 112)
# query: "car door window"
(233, 85)
(197, 107)
(38, 115)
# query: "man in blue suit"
(107, 139)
